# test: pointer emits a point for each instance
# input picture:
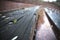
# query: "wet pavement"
(17, 24)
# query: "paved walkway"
(45, 31)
